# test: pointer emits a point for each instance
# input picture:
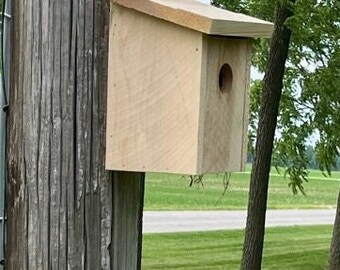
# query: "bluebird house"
(178, 86)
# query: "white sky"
(204, 1)
(255, 74)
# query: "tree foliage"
(310, 105)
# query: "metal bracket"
(6, 15)
(5, 108)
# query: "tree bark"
(334, 259)
(270, 100)
(64, 210)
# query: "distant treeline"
(311, 155)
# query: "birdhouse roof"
(201, 17)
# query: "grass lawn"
(292, 248)
(170, 192)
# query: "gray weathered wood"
(65, 212)
(127, 228)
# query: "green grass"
(292, 248)
(170, 192)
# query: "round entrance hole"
(225, 78)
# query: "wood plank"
(128, 203)
(224, 114)
(246, 107)
(202, 17)
(153, 94)
(17, 206)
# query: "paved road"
(186, 221)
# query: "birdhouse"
(178, 86)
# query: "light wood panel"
(224, 115)
(202, 17)
(166, 112)
(153, 98)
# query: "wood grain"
(61, 213)
(202, 17)
(153, 94)
(224, 114)
(166, 112)
(128, 217)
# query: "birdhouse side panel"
(153, 94)
(225, 101)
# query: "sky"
(255, 74)
(204, 1)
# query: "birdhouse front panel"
(153, 94)
(224, 103)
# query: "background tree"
(269, 110)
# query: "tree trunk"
(334, 259)
(64, 210)
(270, 100)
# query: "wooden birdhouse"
(178, 84)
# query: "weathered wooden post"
(65, 210)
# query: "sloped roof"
(202, 17)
